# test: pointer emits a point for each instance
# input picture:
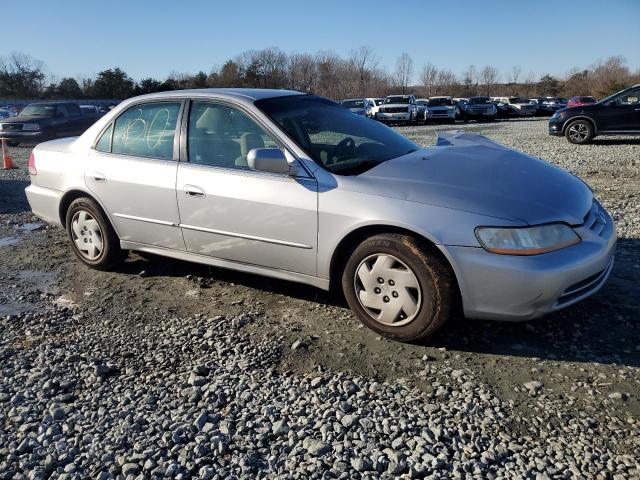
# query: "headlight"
(527, 240)
(31, 127)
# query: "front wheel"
(93, 240)
(579, 132)
(399, 287)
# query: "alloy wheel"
(578, 132)
(388, 290)
(87, 234)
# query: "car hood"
(26, 118)
(405, 105)
(471, 173)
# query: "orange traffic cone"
(7, 162)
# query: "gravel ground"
(168, 369)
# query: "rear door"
(621, 114)
(231, 212)
(132, 171)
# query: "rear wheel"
(93, 240)
(398, 287)
(579, 132)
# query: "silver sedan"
(294, 186)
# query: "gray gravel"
(171, 374)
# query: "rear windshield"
(403, 100)
(333, 137)
(439, 102)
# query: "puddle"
(7, 241)
(42, 281)
(32, 227)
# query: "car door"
(132, 172)
(232, 212)
(621, 114)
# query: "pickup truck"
(42, 121)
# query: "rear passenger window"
(104, 143)
(147, 130)
(222, 136)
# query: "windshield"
(39, 109)
(479, 100)
(343, 143)
(439, 102)
(353, 103)
(421, 103)
(402, 100)
(518, 100)
(379, 101)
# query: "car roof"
(240, 93)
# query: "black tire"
(579, 132)
(110, 253)
(435, 295)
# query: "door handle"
(194, 191)
(97, 177)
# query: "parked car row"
(407, 108)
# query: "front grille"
(11, 126)
(584, 286)
(394, 110)
(596, 219)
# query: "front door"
(621, 114)
(132, 171)
(231, 212)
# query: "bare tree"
(365, 61)
(445, 81)
(404, 71)
(488, 78)
(429, 75)
(21, 76)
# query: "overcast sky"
(153, 38)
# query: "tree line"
(324, 73)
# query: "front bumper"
(393, 117)
(22, 136)
(556, 127)
(517, 288)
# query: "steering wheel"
(346, 148)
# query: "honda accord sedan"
(294, 186)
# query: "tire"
(88, 226)
(579, 132)
(388, 263)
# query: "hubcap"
(87, 234)
(578, 132)
(388, 290)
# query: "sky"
(153, 38)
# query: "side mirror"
(270, 160)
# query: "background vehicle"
(398, 108)
(460, 103)
(421, 104)
(618, 114)
(375, 106)
(359, 106)
(257, 181)
(479, 108)
(42, 121)
(4, 113)
(518, 106)
(441, 109)
(579, 101)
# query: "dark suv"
(42, 121)
(618, 114)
